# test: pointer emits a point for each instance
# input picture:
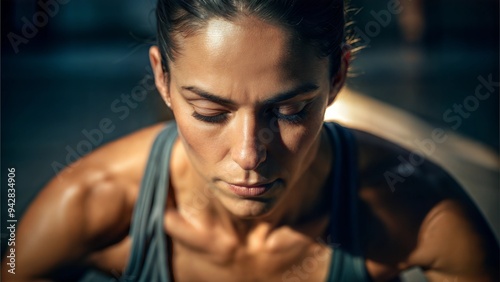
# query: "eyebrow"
(297, 91)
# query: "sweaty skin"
(228, 83)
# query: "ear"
(161, 77)
(338, 81)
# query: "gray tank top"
(148, 259)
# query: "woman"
(249, 183)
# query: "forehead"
(246, 50)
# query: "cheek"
(297, 142)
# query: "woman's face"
(249, 101)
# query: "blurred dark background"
(429, 57)
(67, 66)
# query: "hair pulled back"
(316, 22)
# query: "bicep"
(64, 226)
(455, 243)
(50, 233)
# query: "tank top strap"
(148, 259)
(347, 263)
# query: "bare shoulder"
(107, 180)
(382, 160)
(122, 156)
(416, 214)
(84, 209)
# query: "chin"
(250, 209)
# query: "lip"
(251, 190)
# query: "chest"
(306, 262)
(291, 261)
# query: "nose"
(247, 150)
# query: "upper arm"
(68, 220)
(83, 210)
(427, 221)
(455, 243)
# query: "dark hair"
(317, 22)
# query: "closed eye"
(292, 113)
(217, 118)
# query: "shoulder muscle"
(84, 209)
